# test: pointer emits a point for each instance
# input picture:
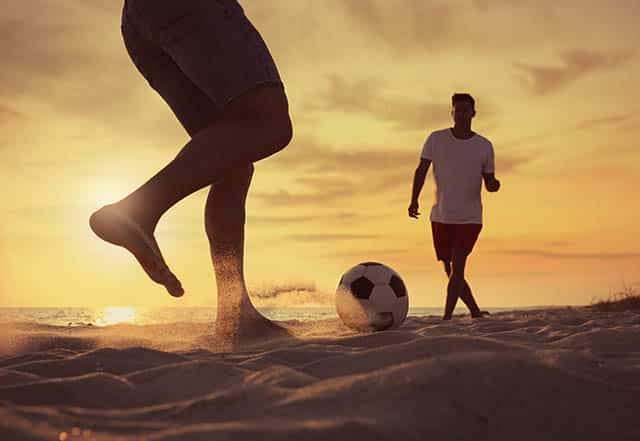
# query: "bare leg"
(452, 295)
(451, 300)
(447, 267)
(252, 127)
(458, 286)
(466, 295)
(237, 322)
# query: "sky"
(367, 80)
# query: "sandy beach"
(555, 374)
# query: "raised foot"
(114, 226)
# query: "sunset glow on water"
(113, 315)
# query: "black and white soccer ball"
(372, 297)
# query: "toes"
(174, 287)
(175, 291)
(170, 282)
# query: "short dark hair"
(463, 97)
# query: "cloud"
(413, 25)
(367, 252)
(366, 97)
(558, 243)
(333, 176)
(605, 121)
(7, 114)
(67, 61)
(542, 6)
(294, 219)
(329, 237)
(320, 190)
(543, 80)
(45, 211)
(391, 182)
(310, 32)
(30, 51)
(340, 31)
(287, 198)
(279, 219)
(311, 156)
(10, 120)
(508, 163)
(556, 255)
(40, 48)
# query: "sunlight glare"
(107, 190)
(112, 315)
(102, 190)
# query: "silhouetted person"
(215, 72)
(461, 159)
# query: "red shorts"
(446, 237)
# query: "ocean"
(147, 316)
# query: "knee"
(456, 274)
(267, 109)
(277, 130)
(456, 278)
(447, 268)
(281, 129)
(458, 262)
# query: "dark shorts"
(197, 54)
(446, 237)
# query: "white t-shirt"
(458, 165)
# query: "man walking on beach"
(213, 69)
(461, 160)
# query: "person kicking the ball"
(461, 160)
(213, 69)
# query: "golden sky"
(556, 92)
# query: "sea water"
(148, 316)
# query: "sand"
(556, 374)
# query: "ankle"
(136, 213)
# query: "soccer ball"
(372, 297)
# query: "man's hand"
(492, 185)
(413, 210)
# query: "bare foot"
(113, 225)
(233, 332)
(481, 314)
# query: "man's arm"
(418, 183)
(490, 182)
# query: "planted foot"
(235, 331)
(481, 314)
(113, 225)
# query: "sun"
(91, 196)
(106, 190)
